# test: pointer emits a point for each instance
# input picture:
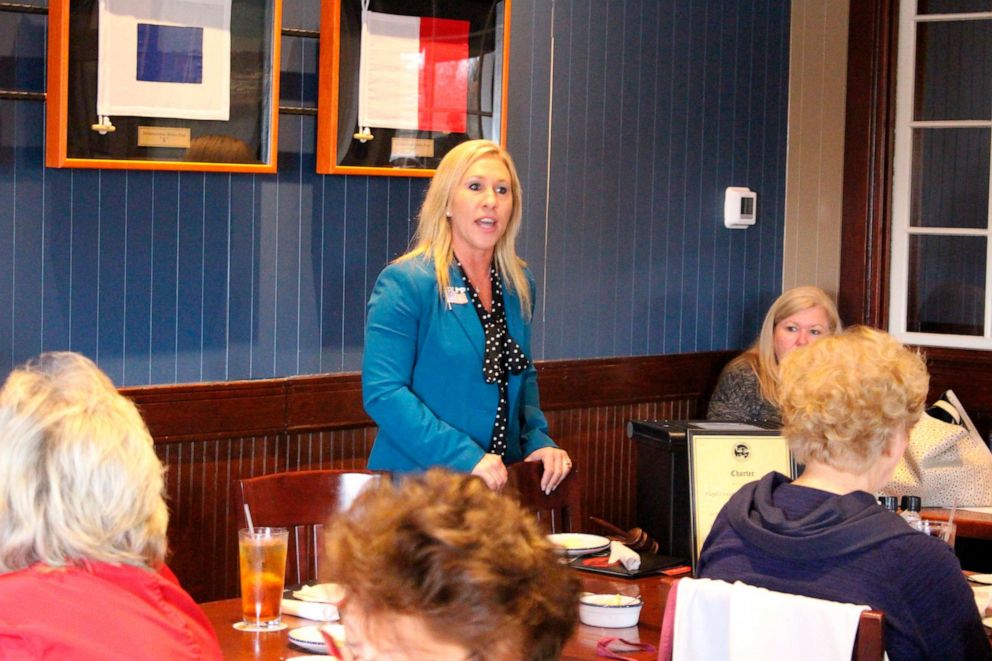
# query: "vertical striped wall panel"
(654, 108)
(627, 118)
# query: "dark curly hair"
(470, 563)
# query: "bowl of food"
(615, 611)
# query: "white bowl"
(614, 611)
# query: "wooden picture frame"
(246, 142)
(406, 152)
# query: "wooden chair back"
(301, 501)
(869, 642)
(559, 511)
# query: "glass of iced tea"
(263, 574)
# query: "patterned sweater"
(738, 397)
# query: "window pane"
(22, 52)
(953, 6)
(946, 284)
(950, 184)
(953, 70)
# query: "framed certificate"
(190, 85)
(402, 82)
(721, 461)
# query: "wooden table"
(975, 525)
(275, 645)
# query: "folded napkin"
(983, 598)
(327, 593)
(631, 560)
(310, 610)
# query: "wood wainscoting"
(210, 435)
(969, 375)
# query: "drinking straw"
(332, 645)
(954, 510)
(251, 528)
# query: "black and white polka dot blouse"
(502, 356)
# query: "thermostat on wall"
(740, 207)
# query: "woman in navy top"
(847, 403)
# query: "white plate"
(576, 543)
(310, 639)
(984, 579)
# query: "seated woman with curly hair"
(439, 567)
(847, 403)
(82, 525)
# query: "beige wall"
(815, 161)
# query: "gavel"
(635, 538)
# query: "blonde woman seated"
(747, 390)
(439, 567)
(847, 404)
(82, 525)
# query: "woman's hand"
(556, 466)
(492, 471)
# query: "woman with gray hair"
(83, 524)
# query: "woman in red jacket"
(83, 525)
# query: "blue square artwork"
(170, 54)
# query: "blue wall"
(655, 106)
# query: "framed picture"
(723, 457)
(162, 85)
(404, 81)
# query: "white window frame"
(901, 191)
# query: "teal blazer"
(422, 380)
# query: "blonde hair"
(760, 356)
(471, 564)
(219, 149)
(842, 397)
(79, 479)
(432, 239)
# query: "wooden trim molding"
(868, 148)
(603, 382)
(969, 374)
(204, 411)
(322, 402)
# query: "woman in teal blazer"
(446, 374)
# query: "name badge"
(455, 296)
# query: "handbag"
(946, 464)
